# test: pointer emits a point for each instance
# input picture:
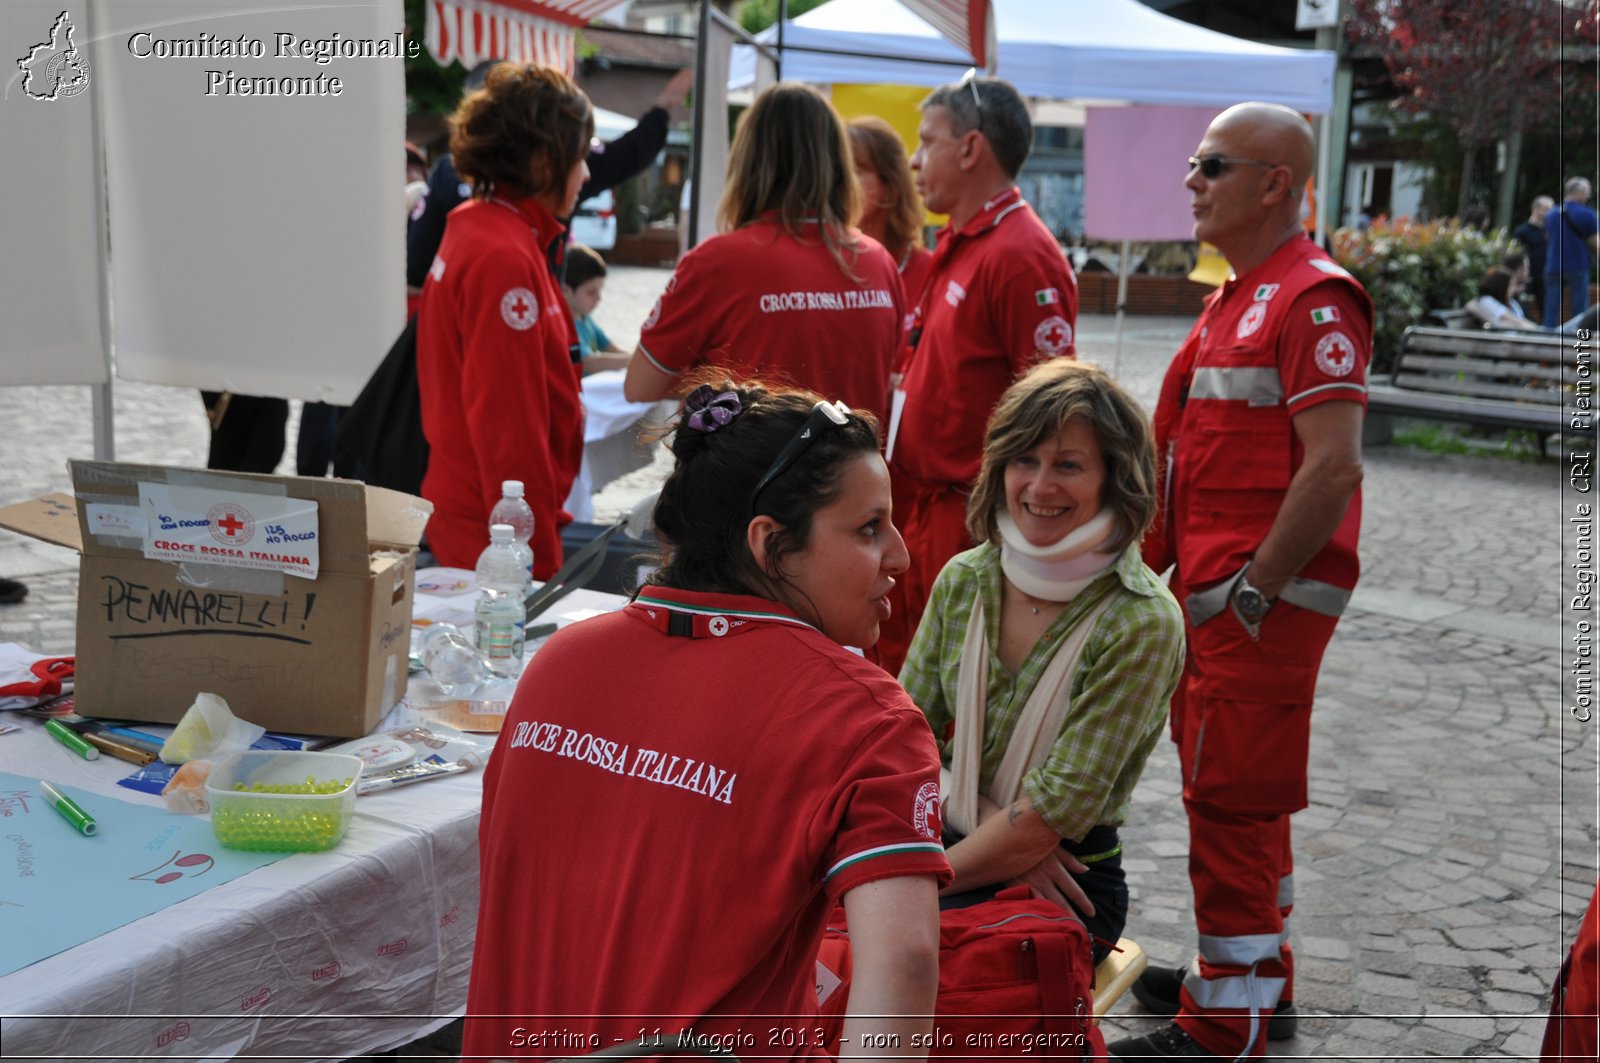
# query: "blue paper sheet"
(141, 860)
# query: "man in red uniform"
(1260, 423)
(1000, 297)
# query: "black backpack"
(382, 429)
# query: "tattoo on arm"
(1013, 811)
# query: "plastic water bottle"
(502, 595)
(514, 510)
(455, 664)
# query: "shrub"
(1410, 268)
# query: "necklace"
(1033, 603)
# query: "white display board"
(255, 191)
(51, 291)
(256, 240)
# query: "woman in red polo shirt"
(494, 336)
(891, 210)
(682, 790)
(789, 290)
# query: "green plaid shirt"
(1124, 680)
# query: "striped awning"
(967, 24)
(523, 31)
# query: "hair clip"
(709, 411)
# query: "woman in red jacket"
(494, 336)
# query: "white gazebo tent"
(1090, 51)
(1055, 49)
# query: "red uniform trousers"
(1573, 1032)
(932, 519)
(1242, 722)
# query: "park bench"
(1495, 379)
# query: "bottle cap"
(511, 488)
(501, 533)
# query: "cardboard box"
(290, 597)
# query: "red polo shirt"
(759, 301)
(662, 842)
(1000, 296)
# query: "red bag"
(1016, 979)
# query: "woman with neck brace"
(1048, 654)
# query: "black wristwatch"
(1250, 602)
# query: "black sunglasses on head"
(1212, 167)
(822, 415)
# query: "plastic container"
(514, 510)
(501, 613)
(283, 822)
(454, 663)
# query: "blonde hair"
(1036, 408)
(880, 146)
(790, 154)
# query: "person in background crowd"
(494, 336)
(1047, 655)
(1497, 305)
(1259, 420)
(999, 297)
(1572, 233)
(584, 285)
(248, 432)
(891, 210)
(610, 164)
(742, 731)
(1531, 235)
(788, 289)
(316, 445)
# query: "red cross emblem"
(1053, 335)
(519, 308)
(231, 523)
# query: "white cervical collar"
(1058, 571)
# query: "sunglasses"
(823, 414)
(970, 80)
(1212, 167)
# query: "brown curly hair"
(522, 132)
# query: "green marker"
(81, 821)
(71, 739)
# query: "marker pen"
(81, 821)
(116, 747)
(140, 738)
(70, 738)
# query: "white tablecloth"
(319, 956)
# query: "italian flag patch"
(1046, 296)
(1325, 315)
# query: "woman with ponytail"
(682, 790)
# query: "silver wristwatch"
(1250, 603)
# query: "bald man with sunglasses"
(1259, 423)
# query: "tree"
(1481, 67)
(757, 15)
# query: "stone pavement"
(1450, 845)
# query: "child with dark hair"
(685, 788)
(584, 286)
